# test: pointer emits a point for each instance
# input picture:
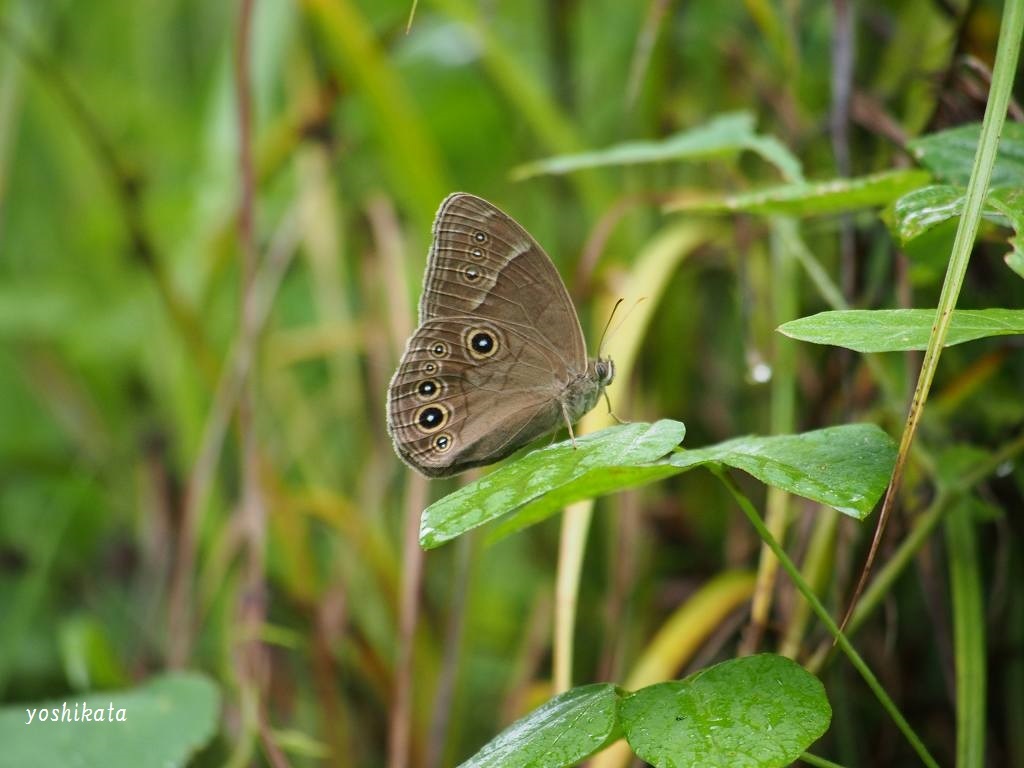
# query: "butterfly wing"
(498, 347)
(483, 264)
(468, 392)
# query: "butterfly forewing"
(483, 263)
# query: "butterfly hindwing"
(468, 393)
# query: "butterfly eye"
(427, 389)
(440, 349)
(472, 274)
(482, 343)
(431, 418)
(480, 237)
(442, 442)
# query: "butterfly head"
(604, 371)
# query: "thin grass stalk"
(400, 724)
(782, 421)
(816, 569)
(1013, 674)
(648, 279)
(444, 695)
(968, 635)
(409, 151)
(181, 617)
(251, 660)
(818, 762)
(855, 658)
(923, 528)
(571, 549)
(678, 641)
(538, 108)
(1007, 53)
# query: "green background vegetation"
(128, 473)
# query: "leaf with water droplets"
(567, 729)
(846, 467)
(754, 712)
(918, 211)
(546, 480)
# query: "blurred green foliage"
(119, 304)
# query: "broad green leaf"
(950, 154)
(922, 209)
(721, 136)
(898, 330)
(549, 478)
(755, 712)
(846, 467)
(165, 722)
(562, 732)
(811, 198)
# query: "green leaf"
(721, 136)
(1015, 258)
(950, 154)
(811, 199)
(567, 729)
(898, 330)
(549, 478)
(846, 467)
(920, 210)
(165, 722)
(755, 712)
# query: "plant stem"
(783, 419)
(924, 525)
(855, 659)
(1007, 52)
(821, 762)
(969, 636)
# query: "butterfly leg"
(610, 412)
(568, 423)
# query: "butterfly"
(499, 357)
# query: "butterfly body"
(499, 357)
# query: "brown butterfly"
(499, 358)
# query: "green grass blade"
(968, 635)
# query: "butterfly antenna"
(604, 333)
(625, 317)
